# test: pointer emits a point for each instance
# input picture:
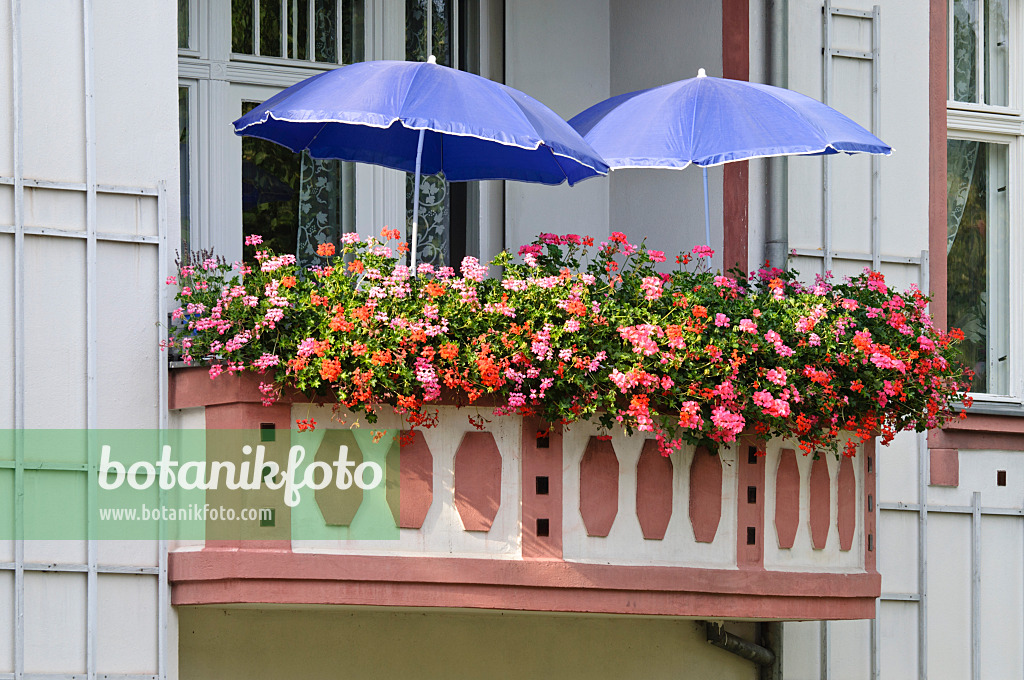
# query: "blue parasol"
(710, 121)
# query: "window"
(431, 28)
(984, 150)
(232, 185)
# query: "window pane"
(977, 259)
(241, 27)
(183, 165)
(298, 29)
(997, 45)
(270, 28)
(327, 31)
(352, 31)
(981, 42)
(293, 201)
(326, 22)
(326, 210)
(441, 26)
(416, 43)
(270, 197)
(183, 26)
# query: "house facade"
(116, 151)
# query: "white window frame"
(211, 69)
(1002, 125)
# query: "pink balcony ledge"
(501, 519)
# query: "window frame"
(1001, 125)
(212, 69)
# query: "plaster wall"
(903, 92)
(655, 42)
(320, 643)
(136, 144)
(625, 543)
(939, 580)
(442, 534)
(802, 556)
(134, 90)
(557, 53)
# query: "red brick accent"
(735, 202)
(542, 462)
(268, 577)
(750, 516)
(944, 467)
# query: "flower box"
(657, 442)
(501, 518)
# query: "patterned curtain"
(965, 50)
(961, 156)
(320, 202)
(434, 217)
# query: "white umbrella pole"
(416, 206)
(707, 214)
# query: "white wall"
(557, 53)
(133, 143)
(655, 42)
(932, 616)
(903, 125)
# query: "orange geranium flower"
(330, 369)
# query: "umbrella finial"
(431, 59)
(701, 73)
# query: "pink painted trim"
(944, 467)
(937, 189)
(229, 577)
(192, 387)
(846, 493)
(653, 491)
(821, 502)
(972, 440)
(541, 462)
(599, 487)
(705, 495)
(735, 201)
(980, 431)
(787, 499)
(220, 420)
(750, 515)
(477, 473)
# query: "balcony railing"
(517, 515)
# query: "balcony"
(517, 516)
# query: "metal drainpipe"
(776, 246)
(717, 636)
